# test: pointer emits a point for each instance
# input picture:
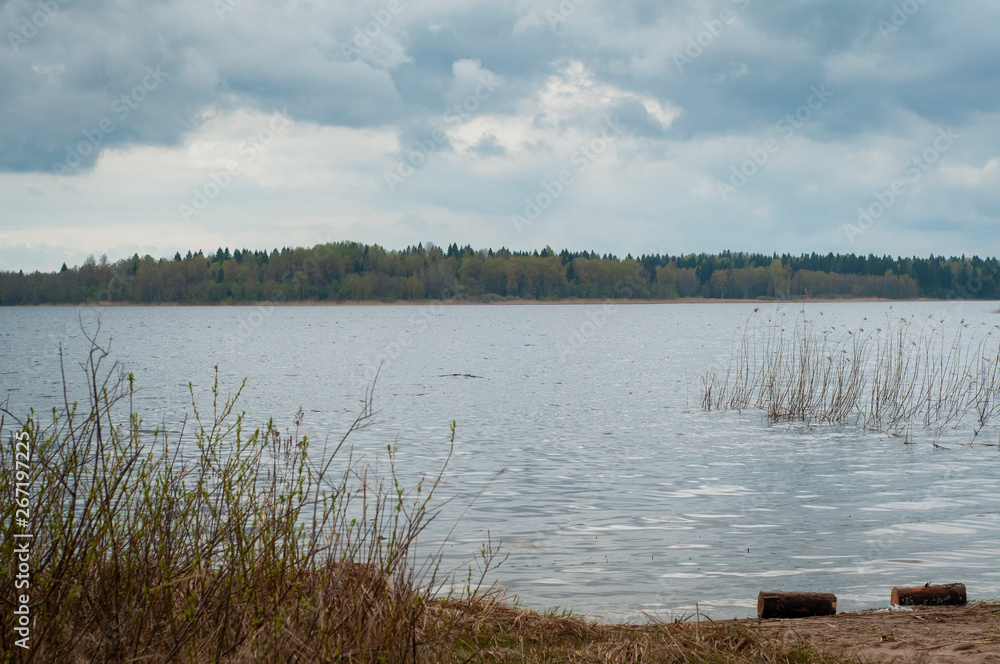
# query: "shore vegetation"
(895, 375)
(354, 272)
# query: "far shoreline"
(474, 301)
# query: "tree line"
(351, 271)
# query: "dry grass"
(487, 629)
(892, 376)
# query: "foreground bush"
(214, 544)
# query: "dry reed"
(893, 377)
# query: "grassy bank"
(226, 544)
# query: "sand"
(939, 634)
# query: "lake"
(619, 494)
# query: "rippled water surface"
(618, 493)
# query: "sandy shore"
(938, 634)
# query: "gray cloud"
(634, 117)
(488, 146)
(65, 79)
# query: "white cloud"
(575, 94)
(965, 175)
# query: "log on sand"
(949, 593)
(776, 604)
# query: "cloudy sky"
(643, 126)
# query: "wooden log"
(777, 604)
(949, 593)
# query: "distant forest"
(350, 271)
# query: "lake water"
(618, 493)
